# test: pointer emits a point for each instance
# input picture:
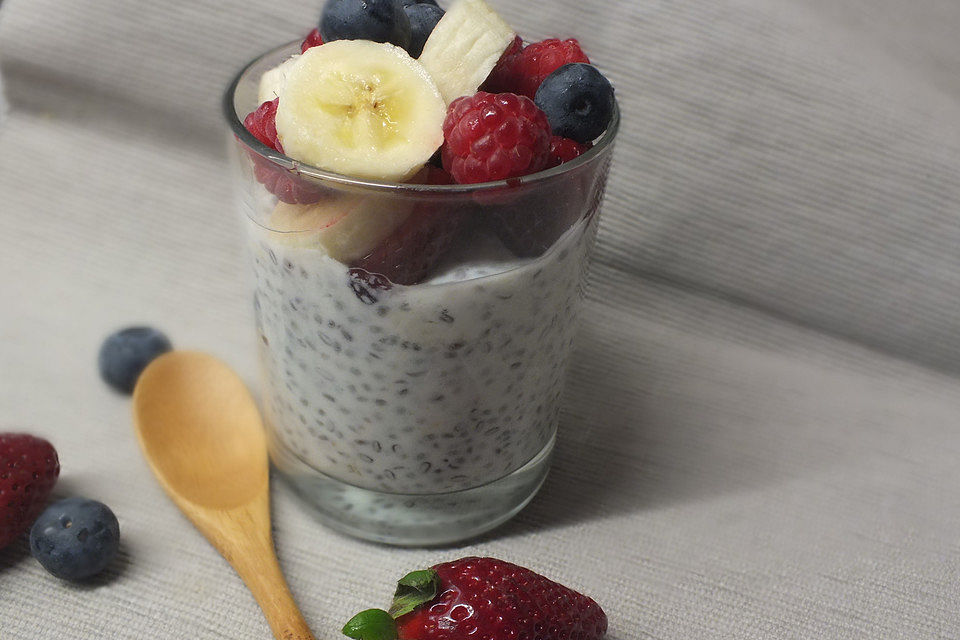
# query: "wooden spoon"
(202, 435)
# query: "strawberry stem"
(414, 589)
(372, 624)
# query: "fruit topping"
(464, 47)
(493, 137)
(414, 249)
(523, 71)
(375, 20)
(313, 39)
(501, 79)
(564, 150)
(423, 18)
(578, 101)
(347, 227)
(362, 109)
(262, 123)
(288, 187)
(272, 81)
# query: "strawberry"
(408, 254)
(28, 470)
(481, 598)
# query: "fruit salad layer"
(416, 342)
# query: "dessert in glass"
(421, 193)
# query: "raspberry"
(564, 150)
(494, 137)
(29, 468)
(501, 79)
(262, 123)
(313, 39)
(411, 251)
(524, 70)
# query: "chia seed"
(428, 386)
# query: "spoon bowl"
(191, 407)
(202, 436)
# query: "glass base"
(419, 519)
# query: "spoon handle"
(242, 536)
(263, 577)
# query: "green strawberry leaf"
(372, 624)
(413, 590)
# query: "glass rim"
(602, 144)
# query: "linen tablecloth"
(760, 433)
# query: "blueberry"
(410, 3)
(423, 18)
(377, 20)
(578, 101)
(126, 353)
(75, 538)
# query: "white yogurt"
(430, 388)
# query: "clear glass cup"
(413, 337)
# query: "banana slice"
(347, 227)
(360, 108)
(464, 47)
(272, 81)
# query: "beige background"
(760, 437)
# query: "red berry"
(493, 137)
(29, 468)
(436, 175)
(262, 123)
(414, 249)
(522, 71)
(496, 600)
(564, 150)
(501, 79)
(530, 225)
(313, 39)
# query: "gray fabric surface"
(799, 156)
(731, 464)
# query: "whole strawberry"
(29, 468)
(481, 598)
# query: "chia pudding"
(431, 388)
(420, 199)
